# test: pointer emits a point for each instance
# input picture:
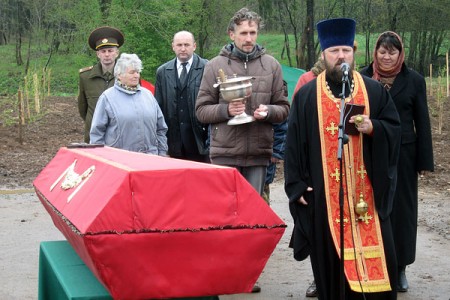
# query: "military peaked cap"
(104, 37)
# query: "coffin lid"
(126, 192)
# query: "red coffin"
(156, 227)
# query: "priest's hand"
(302, 199)
(362, 123)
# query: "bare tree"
(424, 37)
(367, 28)
(19, 31)
(309, 29)
(284, 27)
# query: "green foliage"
(64, 70)
(148, 27)
(274, 44)
(58, 30)
(10, 74)
(8, 111)
(31, 109)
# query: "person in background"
(127, 116)
(148, 85)
(247, 147)
(318, 68)
(94, 80)
(408, 89)
(177, 85)
(369, 162)
(279, 140)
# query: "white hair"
(125, 62)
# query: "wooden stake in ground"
(43, 84)
(440, 102)
(448, 85)
(27, 96)
(49, 72)
(21, 115)
(37, 105)
(431, 80)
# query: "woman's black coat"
(416, 154)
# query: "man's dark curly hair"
(244, 14)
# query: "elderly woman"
(408, 90)
(128, 116)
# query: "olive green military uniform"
(92, 84)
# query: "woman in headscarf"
(408, 90)
(128, 116)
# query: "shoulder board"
(86, 69)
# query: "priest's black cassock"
(303, 168)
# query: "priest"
(355, 152)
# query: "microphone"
(345, 68)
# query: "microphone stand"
(342, 139)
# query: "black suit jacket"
(167, 89)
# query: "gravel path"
(25, 224)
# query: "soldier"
(99, 77)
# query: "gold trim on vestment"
(365, 263)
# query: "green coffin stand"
(63, 275)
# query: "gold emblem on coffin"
(73, 180)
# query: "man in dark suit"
(176, 89)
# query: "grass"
(64, 70)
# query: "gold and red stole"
(364, 259)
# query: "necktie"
(183, 74)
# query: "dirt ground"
(25, 223)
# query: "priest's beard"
(334, 72)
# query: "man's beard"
(334, 73)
